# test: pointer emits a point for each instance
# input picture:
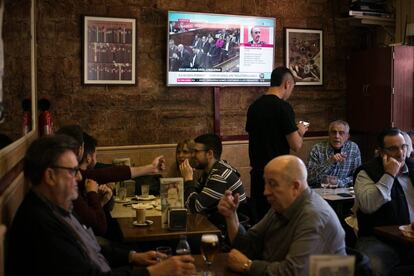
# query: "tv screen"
(219, 50)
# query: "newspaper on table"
(331, 265)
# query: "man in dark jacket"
(46, 239)
(384, 195)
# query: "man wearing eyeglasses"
(384, 195)
(47, 239)
(203, 195)
(337, 156)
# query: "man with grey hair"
(299, 224)
(338, 156)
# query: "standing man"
(337, 156)
(202, 196)
(299, 224)
(272, 132)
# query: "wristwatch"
(246, 266)
(130, 255)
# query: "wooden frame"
(109, 50)
(304, 55)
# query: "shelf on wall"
(369, 20)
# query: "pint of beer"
(209, 247)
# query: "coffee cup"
(140, 215)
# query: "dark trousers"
(259, 203)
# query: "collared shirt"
(319, 165)
(370, 196)
(280, 244)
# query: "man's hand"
(337, 158)
(173, 266)
(144, 259)
(158, 164)
(228, 204)
(391, 165)
(105, 194)
(91, 185)
(186, 170)
(302, 128)
(237, 260)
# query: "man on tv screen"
(255, 32)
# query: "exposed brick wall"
(149, 112)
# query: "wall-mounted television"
(207, 49)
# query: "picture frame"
(304, 55)
(171, 195)
(109, 50)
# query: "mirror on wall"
(16, 70)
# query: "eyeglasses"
(395, 149)
(199, 150)
(73, 171)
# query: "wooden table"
(196, 226)
(391, 232)
(219, 266)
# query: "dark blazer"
(40, 244)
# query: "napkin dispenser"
(177, 218)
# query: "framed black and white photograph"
(304, 55)
(109, 50)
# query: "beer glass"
(209, 248)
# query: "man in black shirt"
(272, 132)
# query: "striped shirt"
(203, 196)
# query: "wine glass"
(183, 248)
(209, 248)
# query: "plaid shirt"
(319, 165)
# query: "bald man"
(299, 224)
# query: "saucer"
(150, 197)
(147, 223)
(118, 200)
(142, 205)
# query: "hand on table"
(173, 266)
(144, 258)
(237, 260)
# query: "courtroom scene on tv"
(207, 138)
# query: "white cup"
(144, 190)
(140, 215)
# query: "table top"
(336, 194)
(125, 210)
(219, 266)
(391, 232)
(196, 226)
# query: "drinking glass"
(183, 248)
(325, 183)
(333, 182)
(165, 252)
(144, 190)
(209, 248)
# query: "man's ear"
(49, 177)
(210, 153)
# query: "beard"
(200, 165)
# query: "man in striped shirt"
(202, 196)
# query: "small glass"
(183, 248)
(333, 182)
(145, 190)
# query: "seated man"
(337, 156)
(384, 195)
(203, 196)
(46, 239)
(299, 224)
(87, 206)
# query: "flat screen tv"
(219, 50)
